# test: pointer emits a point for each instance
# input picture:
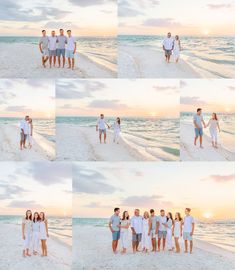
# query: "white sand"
(190, 152)
(142, 62)
(10, 146)
(82, 143)
(20, 60)
(92, 250)
(59, 254)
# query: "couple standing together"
(26, 132)
(213, 125)
(148, 228)
(101, 128)
(56, 46)
(172, 46)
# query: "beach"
(59, 254)
(42, 149)
(92, 250)
(23, 60)
(76, 142)
(141, 62)
(190, 152)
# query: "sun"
(207, 215)
(153, 114)
(205, 32)
(227, 109)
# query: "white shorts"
(153, 234)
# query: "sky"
(84, 17)
(41, 186)
(146, 98)
(208, 191)
(27, 97)
(210, 95)
(182, 17)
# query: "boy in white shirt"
(52, 48)
(188, 230)
(101, 127)
(70, 49)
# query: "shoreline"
(42, 149)
(134, 62)
(100, 254)
(17, 63)
(190, 152)
(59, 255)
(84, 145)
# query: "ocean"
(157, 137)
(209, 56)
(59, 227)
(219, 232)
(101, 50)
(44, 127)
(227, 125)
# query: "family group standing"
(152, 231)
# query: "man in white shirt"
(101, 127)
(43, 47)
(162, 231)
(70, 49)
(188, 230)
(137, 229)
(24, 130)
(52, 48)
(168, 46)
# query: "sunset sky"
(84, 17)
(37, 186)
(211, 95)
(21, 97)
(183, 17)
(209, 191)
(146, 98)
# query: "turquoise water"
(213, 55)
(59, 227)
(151, 133)
(44, 127)
(101, 50)
(220, 233)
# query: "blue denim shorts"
(60, 52)
(69, 54)
(116, 236)
(198, 132)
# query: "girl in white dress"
(177, 231)
(213, 127)
(30, 134)
(27, 232)
(146, 237)
(177, 48)
(36, 227)
(43, 233)
(124, 226)
(117, 130)
(168, 225)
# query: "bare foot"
(201, 147)
(185, 251)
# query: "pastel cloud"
(107, 104)
(125, 9)
(221, 178)
(17, 109)
(8, 191)
(219, 6)
(186, 100)
(88, 3)
(161, 22)
(24, 204)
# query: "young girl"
(177, 231)
(30, 135)
(36, 225)
(27, 232)
(168, 225)
(214, 125)
(43, 233)
(146, 238)
(117, 130)
(124, 226)
(177, 48)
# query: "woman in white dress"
(30, 134)
(177, 231)
(177, 49)
(117, 130)
(43, 233)
(27, 232)
(36, 227)
(168, 226)
(146, 237)
(124, 226)
(213, 127)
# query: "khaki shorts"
(23, 136)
